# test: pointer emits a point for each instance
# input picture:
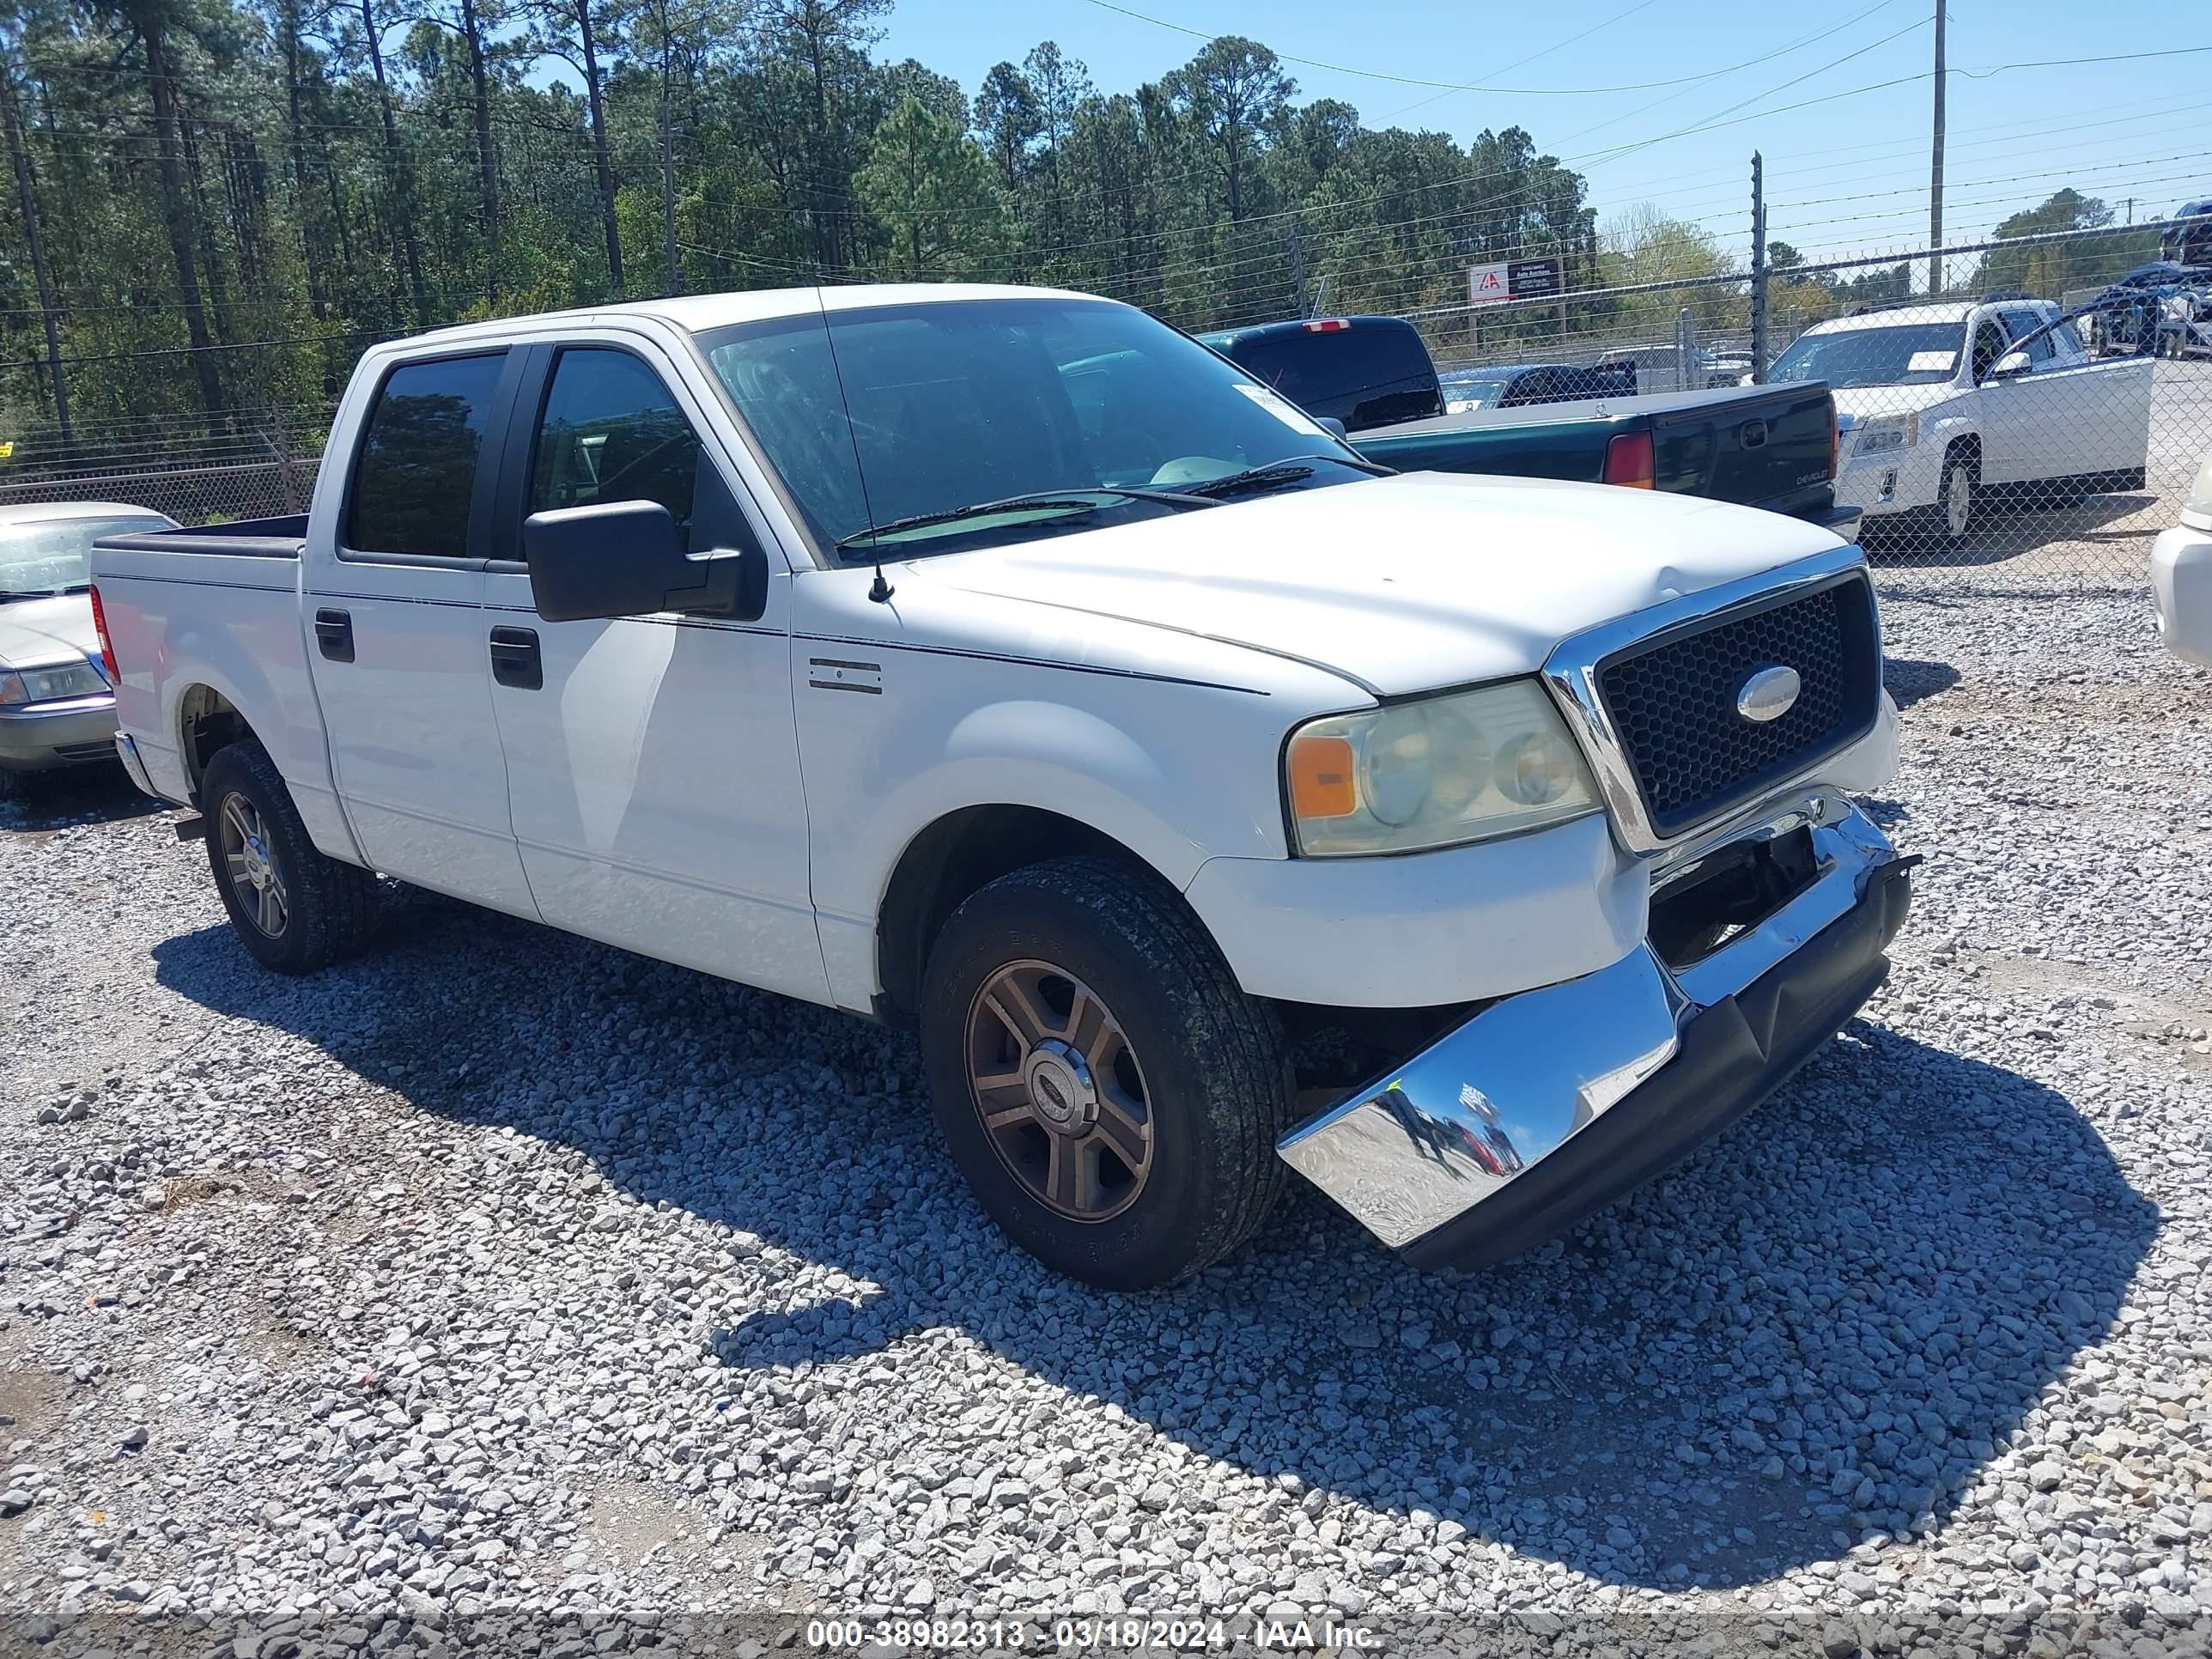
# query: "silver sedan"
(56, 709)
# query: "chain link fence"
(2027, 414)
(253, 465)
(2034, 426)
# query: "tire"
(323, 911)
(1163, 1161)
(1955, 520)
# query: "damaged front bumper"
(1549, 1104)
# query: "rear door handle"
(515, 659)
(334, 635)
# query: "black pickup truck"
(1760, 446)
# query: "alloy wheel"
(251, 865)
(1059, 1089)
(1958, 501)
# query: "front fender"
(1174, 773)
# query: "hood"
(1403, 584)
(38, 633)
(1863, 402)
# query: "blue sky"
(1846, 175)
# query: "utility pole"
(1936, 172)
(1298, 268)
(1758, 270)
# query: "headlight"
(2199, 503)
(1887, 432)
(1462, 767)
(75, 679)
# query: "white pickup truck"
(1002, 663)
(1944, 407)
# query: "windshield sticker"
(1932, 362)
(1281, 408)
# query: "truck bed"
(248, 538)
(1760, 446)
(218, 608)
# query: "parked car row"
(1770, 446)
(2152, 306)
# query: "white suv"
(1941, 407)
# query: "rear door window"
(1367, 375)
(416, 474)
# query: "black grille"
(1674, 701)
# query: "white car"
(57, 710)
(2181, 576)
(1001, 663)
(1943, 407)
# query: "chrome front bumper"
(1550, 1103)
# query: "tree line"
(217, 204)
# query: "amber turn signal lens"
(1321, 778)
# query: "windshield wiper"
(8, 593)
(1075, 499)
(1284, 471)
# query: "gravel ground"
(502, 1283)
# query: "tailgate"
(1771, 446)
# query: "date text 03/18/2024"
(944, 1634)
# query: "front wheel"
(1111, 1093)
(1957, 500)
(293, 907)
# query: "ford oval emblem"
(1768, 693)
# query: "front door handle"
(334, 635)
(515, 659)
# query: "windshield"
(1911, 354)
(1464, 394)
(54, 556)
(894, 412)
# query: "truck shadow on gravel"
(1829, 1320)
(1911, 680)
(66, 799)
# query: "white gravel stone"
(497, 1271)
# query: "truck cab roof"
(698, 313)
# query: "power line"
(1444, 85)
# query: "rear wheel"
(294, 909)
(1108, 1090)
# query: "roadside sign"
(1532, 279)
(1513, 279)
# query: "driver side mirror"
(627, 559)
(2010, 366)
(1331, 425)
